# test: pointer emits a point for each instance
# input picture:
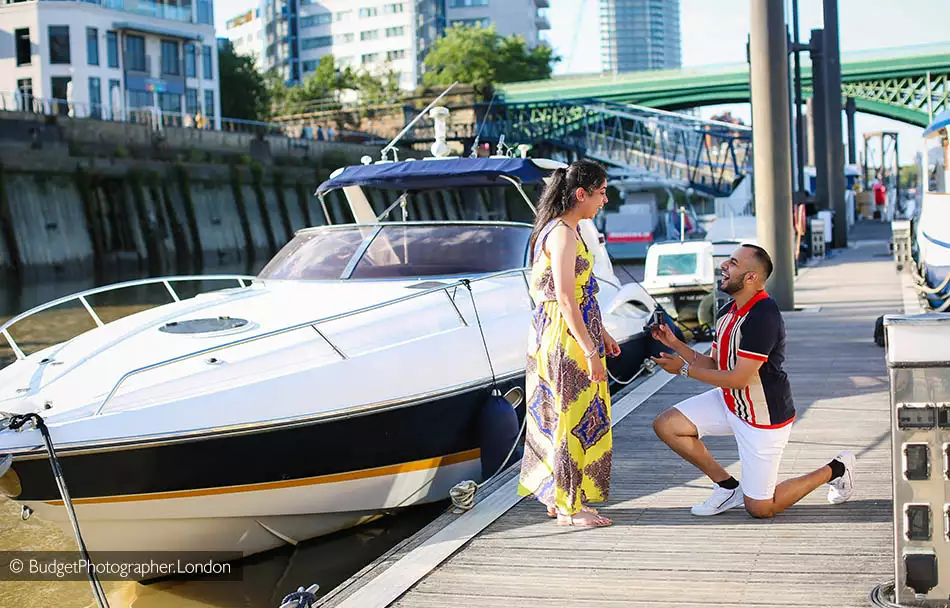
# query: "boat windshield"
(399, 251)
(672, 264)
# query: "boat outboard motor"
(499, 430)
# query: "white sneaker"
(842, 488)
(721, 500)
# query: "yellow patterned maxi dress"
(568, 442)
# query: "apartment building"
(640, 35)
(378, 34)
(246, 33)
(110, 57)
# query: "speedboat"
(342, 382)
(932, 226)
(647, 214)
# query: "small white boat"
(344, 381)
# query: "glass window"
(24, 49)
(395, 7)
(318, 42)
(207, 67)
(59, 44)
(368, 12)
(170, 102)
(344, 38)
(92, 45)
(209, 102)
(60, 86)
(95, 98)
(24, 87)
(369, 35)
(392, 32)
(115, 94)
(140, 99)
(191, 61)
(369, 57)
(344, 15)
(314, 255)
(413, 251)
(112, 49)
(315, 20)
(205, 14)
(170, 62)
(466, 3)
(676, 263)
(393, 55)
(135, 53)
(191, 101)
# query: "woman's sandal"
(552, 511)
(583, 519)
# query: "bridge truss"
(708, 156)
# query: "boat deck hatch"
(203, 326)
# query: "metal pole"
(835, 147)
(771, 143)
(851, 108)
(799, 128)
(819, 121)
(898, 204)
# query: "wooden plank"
(657, 553)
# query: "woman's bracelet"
(593, 351)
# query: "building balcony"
(152, 8)
(541, 22)
(148, 8)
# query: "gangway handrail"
(81, 296)
(314, 323)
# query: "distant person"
(568, 441)
(319, 132)
(752, 400)
(880, 199)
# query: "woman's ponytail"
(551, 205)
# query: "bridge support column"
(835, 146)
(819, 121)
(771, 144)
(851, 109)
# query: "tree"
(244, 93)
(481, 57)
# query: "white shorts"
(760, 450)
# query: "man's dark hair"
(762, 257)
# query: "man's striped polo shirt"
(755, 331)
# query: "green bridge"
(903, 83)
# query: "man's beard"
(733, 285)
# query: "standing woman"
(568, 444)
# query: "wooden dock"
(507, 553)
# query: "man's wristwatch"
(684, 371)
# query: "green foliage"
(481, 57)
(244, 93)
(321, 89)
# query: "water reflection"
(268, 577)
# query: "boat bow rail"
(446, 289)
(242, 280)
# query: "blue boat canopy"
(941, 121)
(441, 173)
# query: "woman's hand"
(665, 336)
(611, 346)
(596, 370)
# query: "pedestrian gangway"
(709, 156)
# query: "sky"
(715, 32)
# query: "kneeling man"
(752, 401)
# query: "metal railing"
(82, 295)
(314, 323)
(157, 119)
